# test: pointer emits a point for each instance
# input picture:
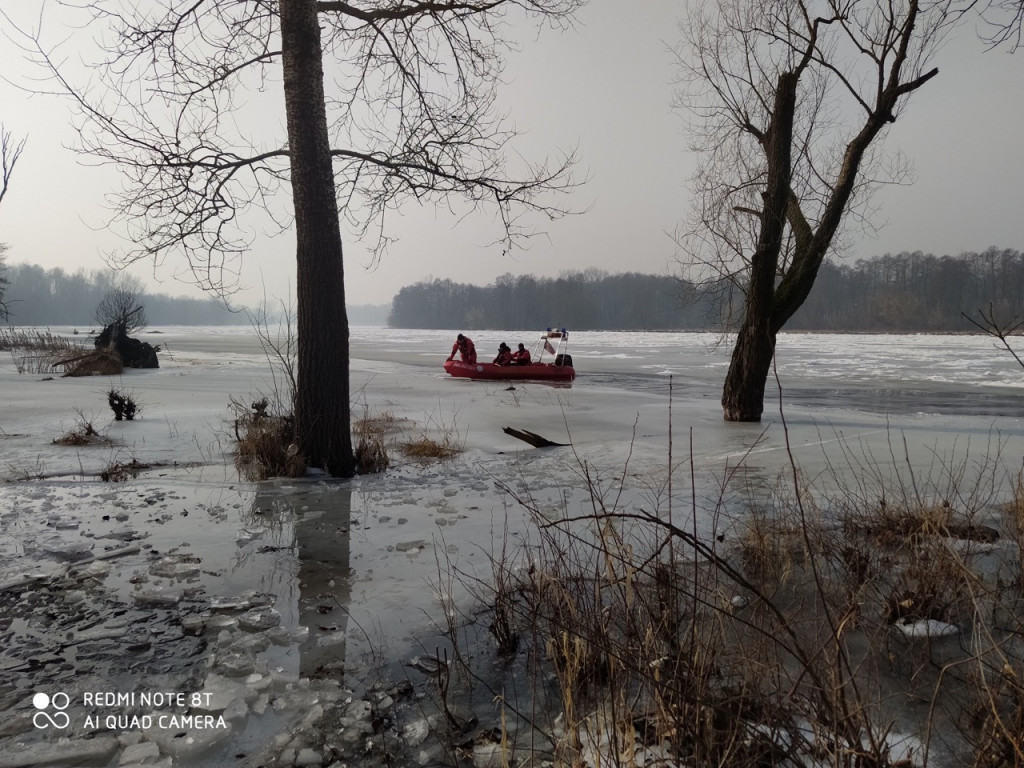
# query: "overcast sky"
(606, 88)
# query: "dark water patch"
(945, 402)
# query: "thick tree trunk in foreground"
(322, 400)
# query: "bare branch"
(412, 105)
(1004, 21)
(10, 151)
(120, 308)
(1000, 330)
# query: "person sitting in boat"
(464, 346)
(504, 355)
(521, 356)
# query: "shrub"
(122, 404)
(370, 434)
(82, 434)
(266, 442)
(796, 643)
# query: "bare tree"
(405, 111)
(3, 281)
(121, 310)
(789, 100)
(10, 151)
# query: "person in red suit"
(504, 355)
(464, 346)
(521, 356)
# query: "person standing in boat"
(521, 356)
(464, 346)
(504, 355)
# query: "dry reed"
(796, 644)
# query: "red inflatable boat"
(560, 369)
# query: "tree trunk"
(322, 419)
(743, 392)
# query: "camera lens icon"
(50, 710)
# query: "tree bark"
(743, 392)
(322, 418)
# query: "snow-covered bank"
(186, 579)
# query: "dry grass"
(770, 549)
(382, 423)
(438, 439)
(83, 433)
(1013, 515)
(37, 351)
(425, 447)
(371, 433)
(120, 471)
(900, 525)
(376, 433)
(39, 341)
(797, 642)
(266, 442)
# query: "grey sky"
(606, 86)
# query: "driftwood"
(100, 362)
(531, 437)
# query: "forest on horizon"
(906, 292)
(37, 296)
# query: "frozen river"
(352, 576)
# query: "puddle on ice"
(255, 602)
(167, 587)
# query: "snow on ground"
(189, 580)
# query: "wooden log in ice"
(531, 437)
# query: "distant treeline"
(908, 292)
(914, 292)
(592, 300)
(37, 296)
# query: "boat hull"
(492, 372)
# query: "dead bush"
(439, 439)
(797, 642)
(429, 448)
(770, 550)
(370, 439)
(120, 471)
(266, 442)
(123, 404)
(83, 433)
(37, 351)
